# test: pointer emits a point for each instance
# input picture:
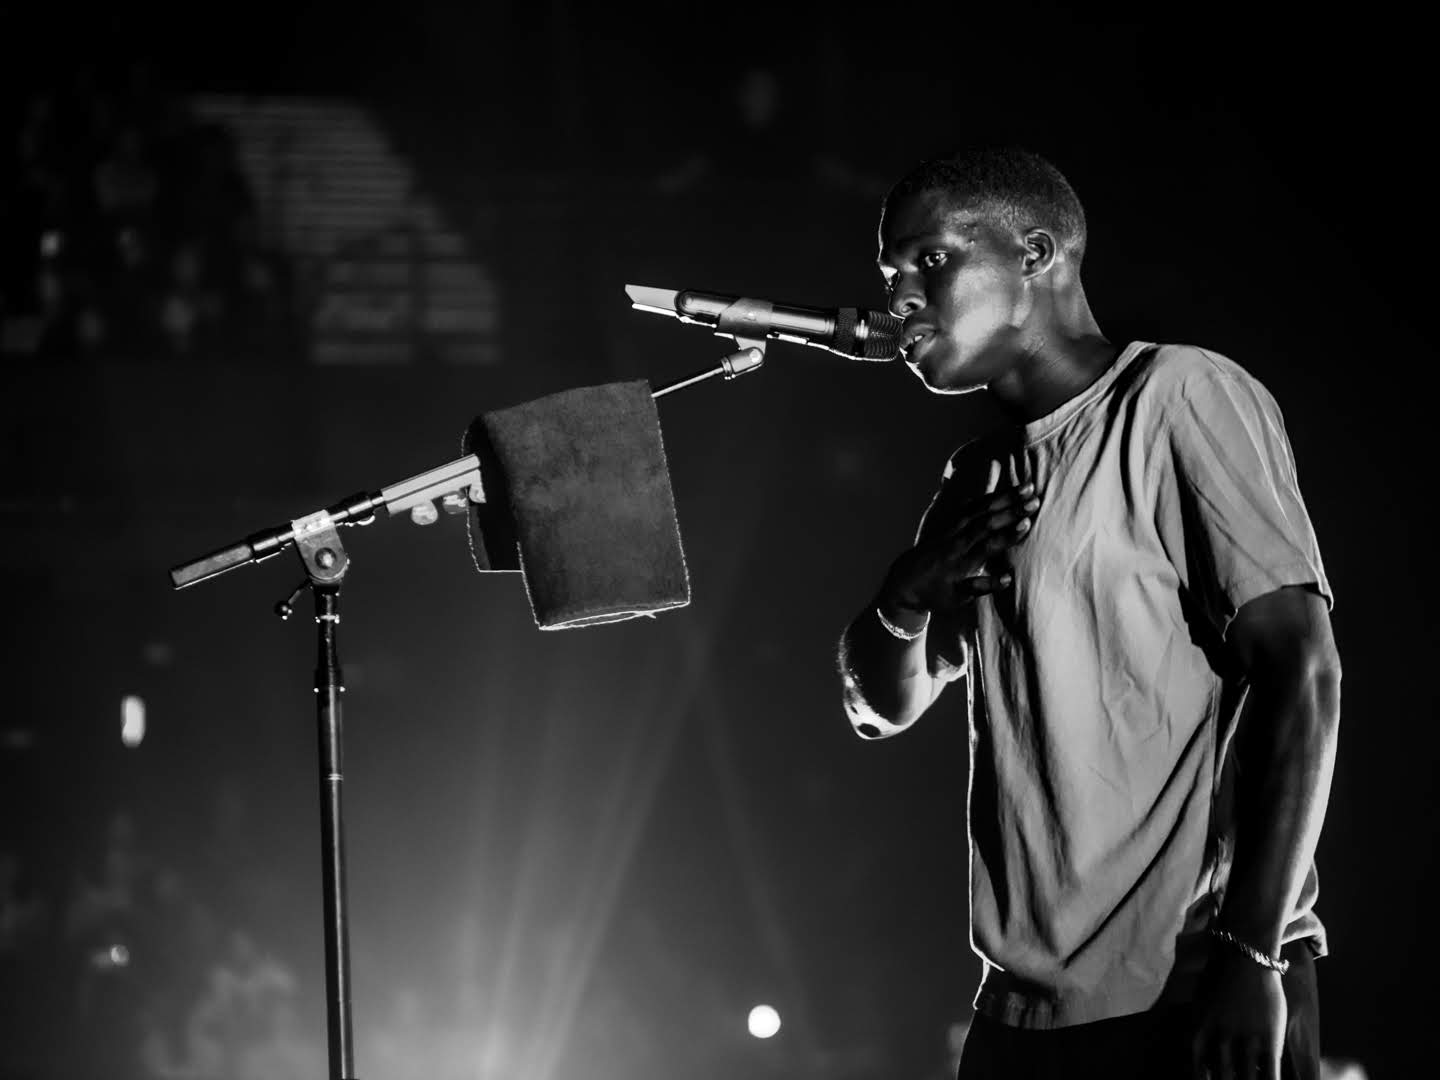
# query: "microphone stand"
(317, 542)
(325, 565)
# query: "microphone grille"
(879, 335)
(847, 322)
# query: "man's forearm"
(1286, 756)
(887, 683)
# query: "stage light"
(764, 1021)
(132, 721)
(110, 958)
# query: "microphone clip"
(748, 322)
(745, 320)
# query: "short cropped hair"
(1014, 187)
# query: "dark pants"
(1145, 1046)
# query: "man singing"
(1127, 579)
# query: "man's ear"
(1039, 253)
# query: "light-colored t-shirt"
(1102, 773)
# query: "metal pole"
(328, 688)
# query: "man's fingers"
(996, 513)
(958, 592)
(967, 553)
(945, 565)
(994, 523)
(982, 584)
(997, 500)
(1001, 540)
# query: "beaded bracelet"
(1273, 963)
(900, 632)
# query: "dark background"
(587, 854)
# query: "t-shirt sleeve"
(1245, 527)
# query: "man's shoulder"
(1171, 370)
(1159, 377)
(1202, 386)
(1154, 372)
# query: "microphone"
(860, 335)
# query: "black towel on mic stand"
(584, 486)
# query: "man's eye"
(931, 259)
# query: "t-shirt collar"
(1042, 426)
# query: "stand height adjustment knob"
(285, 608)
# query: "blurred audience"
(128, 233)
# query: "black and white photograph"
(799, 541)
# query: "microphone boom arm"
(452, 483)
(749, 322)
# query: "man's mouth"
(914, 340)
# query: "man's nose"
(907, 298)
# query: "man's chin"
(938, 380)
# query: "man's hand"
(888, 682)
(946, 572)
(1241, 1016)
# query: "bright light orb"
(764, 1021)
(132, 721)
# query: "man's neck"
(1051, 372)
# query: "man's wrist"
(1238, 947)
(901, 620)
